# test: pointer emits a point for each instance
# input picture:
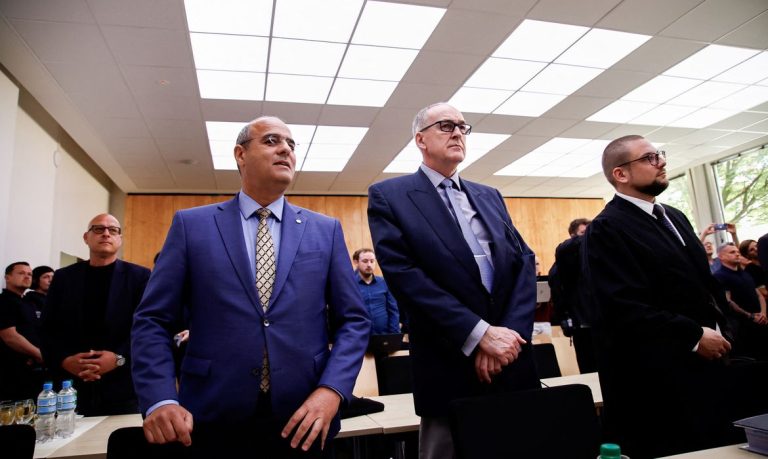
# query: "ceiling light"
(621, 111)
(539, 41)
(745, 99)
(748, 72)
(663, 114)
(474, 100)
(376, 63)
(216, 84)
(345, 135)
(661, 89)
(229, 52)
(302, 57)
(241, 17)
(366, 93)
(223, 131)
(602, 48)
(296, 88)
(561, 79)
(706, 93)
(496, 73)
(329, 20)
(528, 104)
(396, 25)
(224, 163)
(711, 61)
(478, 145)
(703, 118)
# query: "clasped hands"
(498, 347)
(89, 366)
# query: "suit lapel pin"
(298, 220)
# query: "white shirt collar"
(436, 178)
(641, 203)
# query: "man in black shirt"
(745, 299)
(20, 359)
(87, 322)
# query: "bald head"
(615, 153)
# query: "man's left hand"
(486, 366)
(313, 418)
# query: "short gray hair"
(421, 116)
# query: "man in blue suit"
(265, 286)
(462, 272)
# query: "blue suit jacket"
(203, 274)
(431, 271)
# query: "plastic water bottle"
(611, 451)
(74, 393)
(65, 402)
(46, 413)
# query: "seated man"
(87, 322)
(381, 305)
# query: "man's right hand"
(502, 344)
(169, 423)
(712, 345)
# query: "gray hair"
(421, 116)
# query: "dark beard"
(654, 189)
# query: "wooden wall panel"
(543, 222)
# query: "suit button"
(266, 322)
(256, 372)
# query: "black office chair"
(546, 360)
(556, 422)
(130, 443)
(394, 374)
(17, 441)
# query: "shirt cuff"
(474, 337)
(161, 403)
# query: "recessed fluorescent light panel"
(311, 44)
(541, 60)
(406, 162)
(713, 84)
(318, 148)
(559, 157)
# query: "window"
(742, 182)
(678, 195)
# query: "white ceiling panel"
(120, 78)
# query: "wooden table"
(725, 452)
(588, 379)
(399, 414)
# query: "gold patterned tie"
(265, 278)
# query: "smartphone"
(721, 226)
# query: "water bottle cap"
(66, 384)
(610, 451)
(47, 386)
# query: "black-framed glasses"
(99, 229)
(654, 159)
(449, 126)
(273, 140)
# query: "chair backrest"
(17, 441)
(130, 443)
(556, 422)
(546, 360)
(394, 374)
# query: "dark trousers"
(583, 343)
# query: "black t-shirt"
(741, 286)
(98, 280)
(15, 312)
(757, 273)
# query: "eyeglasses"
(99, 229)
(653, 158)
(272, 140)
(449, 126)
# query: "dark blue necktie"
(658, 211)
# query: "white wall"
(9, 96)
(49, 203)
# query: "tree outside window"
(742, 181)
(678, 195)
